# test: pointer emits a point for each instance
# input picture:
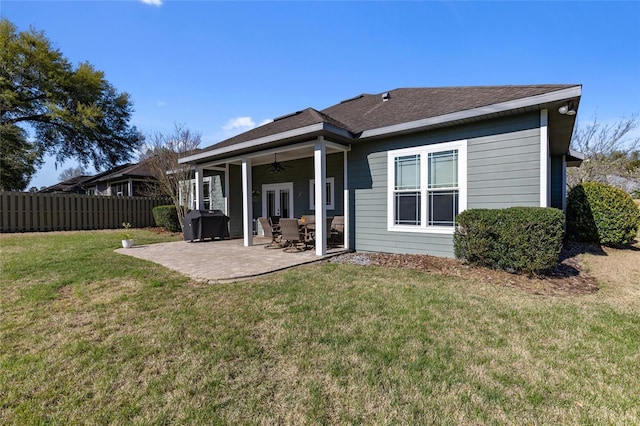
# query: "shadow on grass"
(632, 246)
(568, 265)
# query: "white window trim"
(191, 197)
(332, 190)
(288, 186)
(461, 147)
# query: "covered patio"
(300, 150)
(224, 260)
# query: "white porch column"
(247, 207)
(320, 175)
(199, 175)
(130, 187)
(545, 176)
(345, 234)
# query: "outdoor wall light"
(568, 109)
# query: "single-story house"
(398, 165)
(74, 185)
(127, 180)
(124, 180)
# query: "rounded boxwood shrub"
(602, 214)
(167, 217)
(524, 239)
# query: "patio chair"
(337, 230)
(295, 240)
(271, 232)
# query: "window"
(120, 189)
(427, 187)
(329, 194)
(187, 193)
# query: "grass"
(91, 336)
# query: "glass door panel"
(284, 203)
(277, 200)
(271, 204)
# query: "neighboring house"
(399, 165)
(126, 180)
(74, 185)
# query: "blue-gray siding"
(235, 201)
(557, 190)
(503, 170)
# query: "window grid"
(432, 201)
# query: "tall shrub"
(525, 239)
(167, 217)
(600, 213)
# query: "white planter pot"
(127, 243)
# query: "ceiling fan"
(276, 166)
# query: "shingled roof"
(363, 116)
(367, 112)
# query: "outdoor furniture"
(271, 231)
(295, 239)
(337, 230)
(201, 224)
(308, 220)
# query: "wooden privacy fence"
(32, 212)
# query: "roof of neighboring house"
(70, 185)
(123, 171)
(140, 170)
(397, 111)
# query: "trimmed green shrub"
(523, 239)
(167, 217)
(600, 213)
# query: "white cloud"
(161, 103)
(239, 123)
(152, 2)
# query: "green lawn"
(91, 336)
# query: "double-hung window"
(427, 187)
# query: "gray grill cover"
(201, 224)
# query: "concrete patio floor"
(223, 261)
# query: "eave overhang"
(574, 158)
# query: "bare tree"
(173, 179)
(71, 172)
(611, 153)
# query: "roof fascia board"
(301, 145)
(577, 154)
(267, 139)
(558, 95)
(252, 143)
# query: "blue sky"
(220, 68)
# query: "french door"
(277, 199)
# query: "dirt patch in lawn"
(569, 277)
